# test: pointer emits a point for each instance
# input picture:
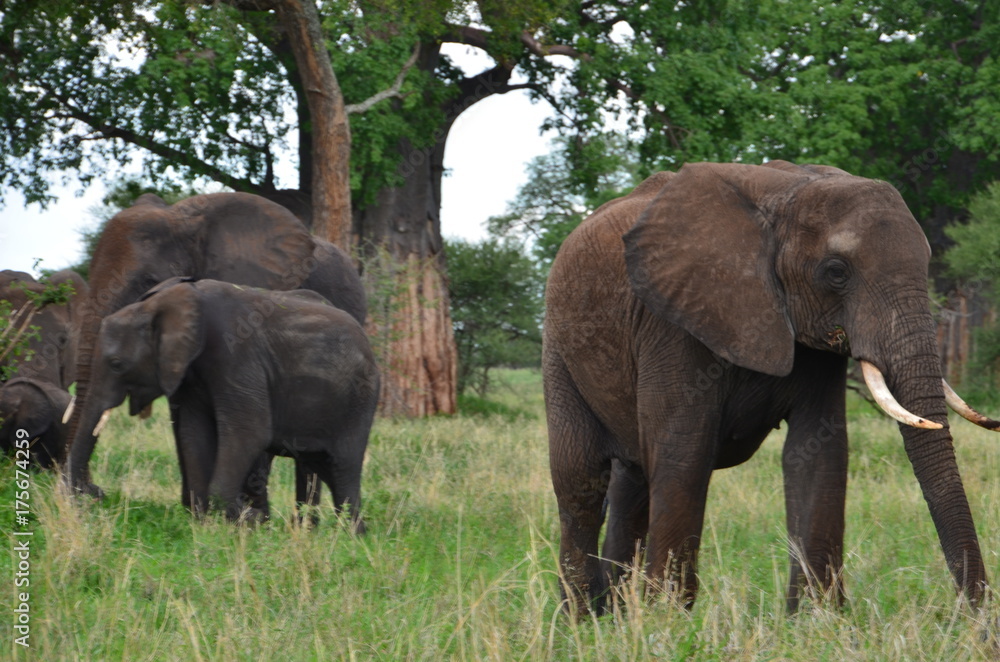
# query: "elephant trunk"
(917, 383)
(105, 298)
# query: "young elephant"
(248, 372)
(39, 408)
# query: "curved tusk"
(69, 410)
(101, 423)
(876, 384)
(965, 411)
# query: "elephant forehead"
(844, 242)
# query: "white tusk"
(101, 423)
(965, 411)
(876, 384)
(69, 410)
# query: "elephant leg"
(678, 491)
(815, 471)
(628, 519)
(340, 468)
(581, 471)
(244, 435)
(255, 486)
(307, 492)
(195, 439)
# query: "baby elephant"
(38, 408)
(247, 372)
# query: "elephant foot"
(247, 515)
(91, 490)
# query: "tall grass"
(460, 559)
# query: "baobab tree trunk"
(330, 132)
(409, 309)
(405, 266)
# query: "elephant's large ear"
(702, 256)
(249, 240)
(165, 285)
(179, 333)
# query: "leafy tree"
(555, 199)
(496, 308)
(975, 259)
(975, 256)
(905, 91)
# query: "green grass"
(459, 562)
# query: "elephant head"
(753, 259)
(235, 237)
(143, 352)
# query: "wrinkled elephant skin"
(688, 319)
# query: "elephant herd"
(683, 323)
(252, 328)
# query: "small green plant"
(16, 330)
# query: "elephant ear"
(249, 240)
(164, 285)
(702, 256)
(178, 331)
(58, 398)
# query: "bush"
(496, 308)
(975, 259)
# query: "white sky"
(485, 158)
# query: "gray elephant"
(235, 237)
(38, 408)
(53, 356)
(686, 320)
(255, 371)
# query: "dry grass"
(460, 558)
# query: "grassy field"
(459, 562)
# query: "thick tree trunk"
(410, 319)
(330, 136)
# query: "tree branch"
(468, 35)
(164, 151)
(391, 92)
(545, 50)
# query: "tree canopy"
(905, 91)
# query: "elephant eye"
(116, 364)
(836, 273)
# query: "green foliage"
(975, 256)
(16, 330)
(975, 259)
(496, 308)
(86, 83)
(564, 187)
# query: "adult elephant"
(235, 237)
(686, 320)
(53, 350)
